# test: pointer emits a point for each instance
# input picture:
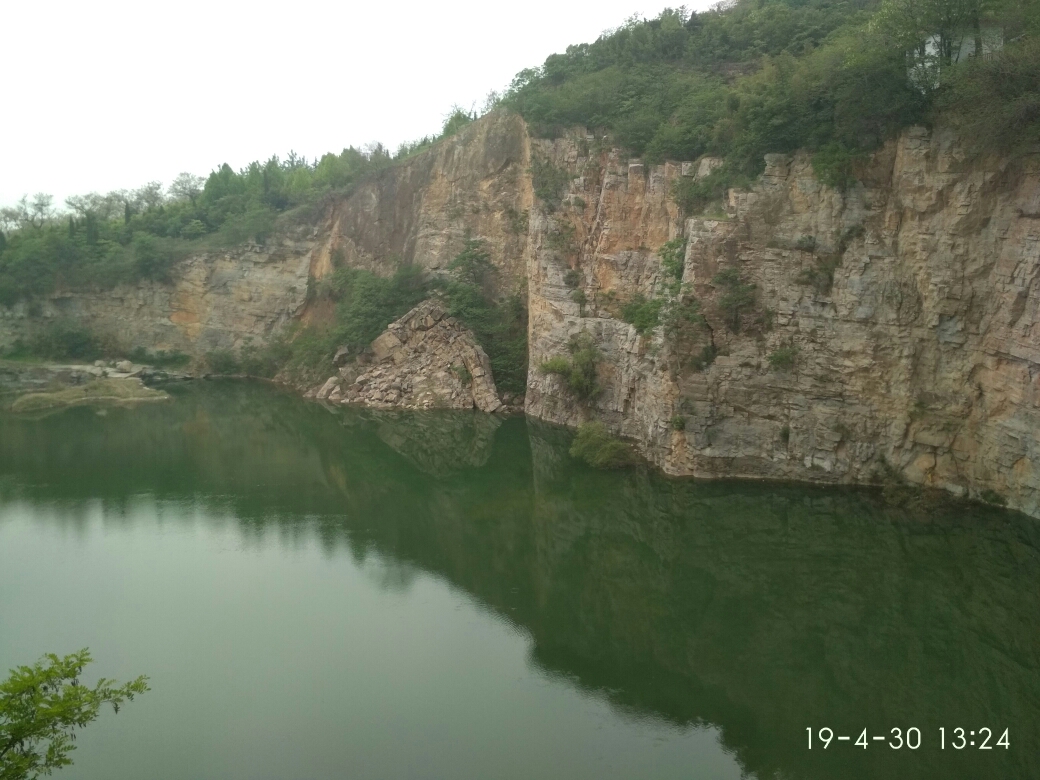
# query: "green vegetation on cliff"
(578, 373)
(756, 76)
(123, 236)
(365, 304)
(500, 326)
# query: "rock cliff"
(887, 331)
(219, 300)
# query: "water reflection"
(760, 610)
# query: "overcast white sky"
(106, 95)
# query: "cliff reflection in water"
(758, 609)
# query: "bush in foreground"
(42, 706)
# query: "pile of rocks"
(115, 369)
(124, 369)
(425, 360)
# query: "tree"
(931, 33)
(737, 295)
(9, 218)
(187, 186)
(150, 196)
(26, 213)
(473, 264)
(99, 206)
(42, 705)
(580, 373)
(40, 210)
(456, 120)
(294, 161)
(152, 257)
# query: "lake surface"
(348, 594)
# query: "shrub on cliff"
(368, 303)
(594, 445)
(737, 296)
(642, 313)
(783, 358)
(500, 327)
(223, 362)
(65, 340)
(548, 181)
(161, 358)
(578, 373)
(994, 100)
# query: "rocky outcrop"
(893, 330)
(424, 360)
(420, 212)
(888, 331)
(224, 300)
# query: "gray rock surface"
(918, 360)
(424, 360)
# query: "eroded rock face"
(894, 329)
(424, 360)
(906, 309)
(216, 301)
(474, 184)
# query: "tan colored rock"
(219, 300)
(923, 356)
(326, 389)
(425, 360)
(707, 165)
(385, 345)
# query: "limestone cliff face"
(921, 358)
(419, 212)
(476, 183)
(223, 300)
(891, 329)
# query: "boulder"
(332, 383)
(424, 360)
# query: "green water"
(321, 594)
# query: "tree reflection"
(760, 609)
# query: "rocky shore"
(425, 360)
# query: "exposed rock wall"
(418, 212)
(902, 316)
(216, 301)
(921, 359)
(476, 183)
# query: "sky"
(109, 95)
